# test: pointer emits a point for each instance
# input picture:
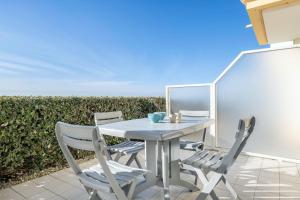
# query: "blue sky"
(117, 47)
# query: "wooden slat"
(255, 9)
(199, 163)
(258, 25)
(213, 161)
(107, 115)
(265, 4)
(92, 183)
(119, 166)
(246, 1)
(127, 147)
(79, 144)
(196, 156)
(123, 174)
(99, 176)
(189, 145)
(123, 144)
(107, 121)
(77, 131)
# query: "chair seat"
(205, 159)
(122, 173)
(127, 147)
(191, 145)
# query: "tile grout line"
(261, 166)
(236, 177)
(65, 181)
(18, 192)
(256, 178)
(49, 190)
(279, 167)
(235, 180)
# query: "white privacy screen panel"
(190, 98)
(266, 85)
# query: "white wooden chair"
(127, 147)
(106, 180)
(204, 162)
(193, 145)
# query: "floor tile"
(251, 177)
(28, 189)
(290, 171)
(9, 194)
(43, 196)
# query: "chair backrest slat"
(194, 113)
(107, 121)
(107, 117)
(78, 144)
(245, 129)
(76, 131)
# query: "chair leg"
(138, 162)
(118, 156)
(128, 163)
(196, 180)
(214, 196)
(190, 171)
(135, 158)
(131, 189)
(208, 185)
(229, 187)
(201, 176)
(94, 195)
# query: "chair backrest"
(194, 113)
(75, 136)
(245, 129)
(85, 138)
(107, 117)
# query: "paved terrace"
(252, 178)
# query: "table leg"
(150, 162)
(165, 168)
(174, 149)
(162, 158)
(150, 154)
(158, 159)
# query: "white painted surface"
(282, 24)
(144, 129)
(264, 84)
(282, 44)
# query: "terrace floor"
(252, 178)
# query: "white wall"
(267, 85)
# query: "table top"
(145, 130)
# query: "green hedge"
(27, 138)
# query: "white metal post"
(168, 101)
(213, 114)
